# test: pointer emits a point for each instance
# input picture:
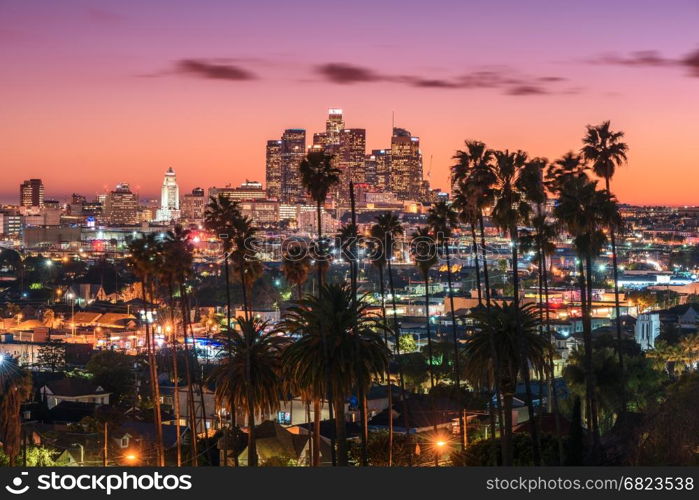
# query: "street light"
(71, 297)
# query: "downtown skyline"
(121, 101)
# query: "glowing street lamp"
(71, 296)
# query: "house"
(274, 442)
(75, 390)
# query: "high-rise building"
(169, 198)
(293, 150)
(248, 190)
(273, 169)
(334, 124)
(380, 161)
(31, 193)
(350, 158)
(406, 165)
(193, 206)
(121, 206)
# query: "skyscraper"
(31, 193)
(169, 198)
(121, 206)
(406, 165)
(273, 169)
(333, 126)
(193, 206)
(350, 158)
(293, 150)
(381, 165)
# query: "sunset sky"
(93, 93)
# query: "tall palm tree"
(605, 150)
(318, 176)
(145, 257)
(219, 217)
(245, 265)
(466, 207)
(424, 253)
(510, 210)
(507, 323)
(15, 388)
(251, 377)
(296, 265)
(584, 211)
(385, 233)
(442, 220)
(356, 351)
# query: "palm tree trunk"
(506, 438)
(474, 243)
(593, 401)
(252, 444)
(388, 369)
(524, 362)
(401, 380)
(316, 432)
(494, 353)
(554, 392)
(230, 354)
(340, 431)
(326, 361)
(155, 392)
(430, 357)
(457, 377)
(617, 306)
(175, 375)
(587, 344)
(190, 389)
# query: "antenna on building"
(393, 121)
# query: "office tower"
(406, 165)
(121, 206)
(293, 150)
(169, 198)
(31, 193)
(193, 206)
(381, 159)
(273, 169)
(248, 190)
(350, 158)
(333, 126)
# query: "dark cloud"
(650, 58)
(504, 79)
(213, 70)
(347, 74)
(691, 61)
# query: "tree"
(584, 211)
(505, 324)
(145, 257)
(605, 150)
(355, 351)
(424, 253)
(15, 388)
(52, 356)
(113, 370)
(510, 210)
(442, 220)
(251, 377)
(296, 265)
(384, 234)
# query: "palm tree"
(145, 257)
(424, 253)
(219, 218)
(384, 233)
(605, 150)
(246, 267)
(15, 388)
(510, 210)
(319, 176)
(296, 265)
(541, 243)
(251, 377)
(507, 323)
(442, 220)
(467, 211)
(584, 211)
(335, 328)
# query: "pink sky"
(92, 96)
